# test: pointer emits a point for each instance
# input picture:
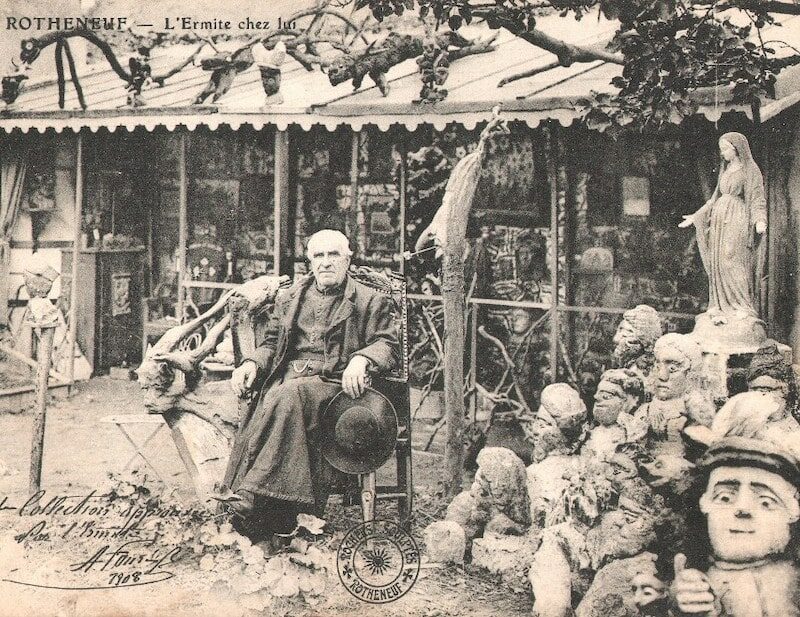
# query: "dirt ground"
(81, 449)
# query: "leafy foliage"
(668, 48)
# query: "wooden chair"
(203, 415)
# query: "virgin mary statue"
(729, 228)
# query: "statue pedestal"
(728, 341)
(733, 332)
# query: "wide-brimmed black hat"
(358, 435)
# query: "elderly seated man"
(326, 328)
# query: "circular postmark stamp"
(378, 561)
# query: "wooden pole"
(183, 217)
(5, 256)
(453, 304)
(403, 196)
(352, 216)
(45, 353)
(473, 360)
(72, 336)
(282, 258)
(552, 175)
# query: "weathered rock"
(508, 556)
(504, 526)
(462, 511)
(445, 542)
(551, 580)
(610, 594)
(500, 486)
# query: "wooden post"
(5, 255)
(43, 318)
(183, 216)
(552, 175)
(403, 196)
(352, 216)
(45, 354)
(282, 258)
(453, 304)
(473, 360)
(72, 336)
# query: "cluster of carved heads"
(636, 334)
(678, 366)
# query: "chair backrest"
(393, 284)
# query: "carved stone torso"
(766, 590)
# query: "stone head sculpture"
(770, 374)
(39, 277)
(500, 486)
(560, 420)
(751, 501)
(628, 529)
(636, 334)
(649, 591)
(678, 365)
(620, 391)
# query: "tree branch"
(761, 6)
(531, 73)
(567, 53)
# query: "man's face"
(329, 264)
(749, 512)
(626, 342)
(609, 401)
(672, 374)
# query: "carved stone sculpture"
(618, 395)
(634, 339)
(729, 228)
(269, 65)
(559, 424)
(39, 278)
(497, 501)
(203, 415)
(626, 588)
(680, 396)
(751, 508)
(770, 373)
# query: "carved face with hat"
(751, 499)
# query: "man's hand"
(692, 590)
(354, 378)
(243, 377)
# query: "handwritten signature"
(124, 559)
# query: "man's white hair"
(330, 237)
